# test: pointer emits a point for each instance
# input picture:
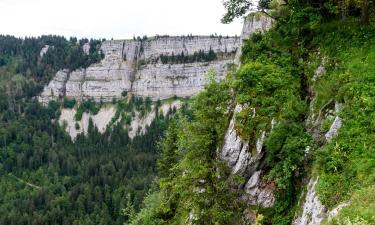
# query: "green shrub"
(69, 103)
(87, 106)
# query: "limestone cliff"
(134, 66)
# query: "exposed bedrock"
(247, 162)
(134, 66)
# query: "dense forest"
(45, 177)
(276, 79)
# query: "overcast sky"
(116, 19)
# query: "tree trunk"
(365, 14)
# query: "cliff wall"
(134, 66)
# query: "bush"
(69, 103)
(87, 106)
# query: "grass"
(346, 166)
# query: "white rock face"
(334, 129)
(138, 125)
(336, 125)
(313, 210)
(86, 48)
(104, 117)
(259, 144)
(134, 67)
(160, 81)
(100, 120)
(44, 50)
(256, 194)
(235, 151)
(234, 146)
(55, 88)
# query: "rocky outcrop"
(56, 88)
(134, 66)
(336, 125)
(86, 48)
(100, 120)
(139, 125)
(313, 211)
(104, 117)
(257, 192)
(44, 50)
(247, 163)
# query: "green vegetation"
(191, 180)
(275, 81)
(200, 56)
(347, 164)
(361, 209)
(69, 103)
(87, 106)
(45, 177)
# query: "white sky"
(116, 19)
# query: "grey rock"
(313, 210)
(234, 146)
(133, 66)
(55, 88)
(259, 144)
(334, 129)
(86, 48)
(239, 158)
(320, 71)
(44, 50)
(256, 193)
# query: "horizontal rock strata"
(134, 66)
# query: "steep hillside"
(290, 140)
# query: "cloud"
(116, 19)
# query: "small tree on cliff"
(235, 9)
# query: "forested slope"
(308, 84)
(45, 177)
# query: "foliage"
(69, 103)
(234, 9)
(62, 54)
(360, 211)
(45, 177)
(193, 183)
(347, 163)
(199, 56)
(87, 106)
(269, 87)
